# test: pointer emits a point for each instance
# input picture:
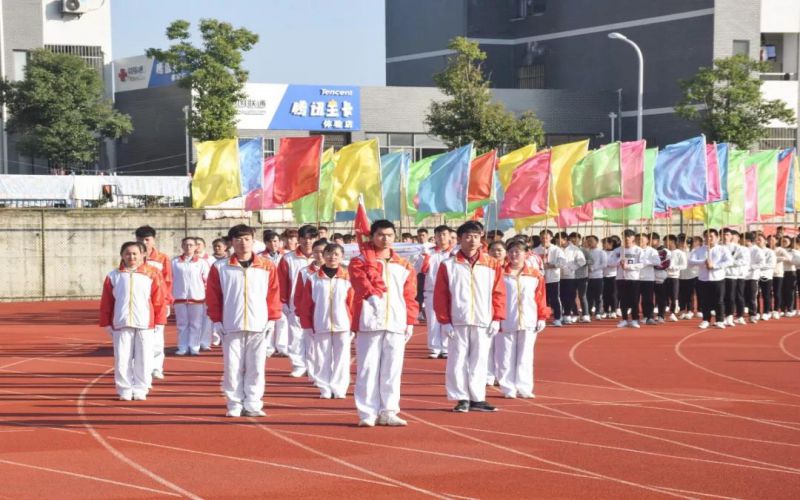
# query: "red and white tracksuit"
(380, 343)
(469, 296)
(526, 303)
(246, 300)
(279, 339)
(325, 306)
(207, 334)
(290, 266)
(189, 295)
(132, 304)
(161, 262)
(437, 343)
(307, 342)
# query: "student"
(611, 249)
(552, 260)
(767, 268)
(279, 341)
(741, 259)
(678, 260)
(526, 312)
(190, 274)
(160, 261)
(384, 314)
(289, 240)
(422, 236)
(220, 249)
(660, 290)
(322, 231)
(497, 250)
(597, 264)
(429, 266)
(630, 263)
(711, 260)
(752, 276)
(291, 264)
(243, 297)
(326, 315)
(131, 305)
(573, 260)
(647, 277)
(469, 300)
(207, 330)
(789, 268)
(781, 256)
(317, 255)
(582, 278)
(687, 279)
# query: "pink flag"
(261, 199)
(784, 166)
(632, 172)
(527, 193)
(572, 216)
(751, 194)
(663, 215)
(712, 162)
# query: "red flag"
(572, 216)
(481, 172)
(297, 167)
(262, 198)
(527, 194)
(784, 167)
(363, 237)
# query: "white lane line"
(91, 478)
(782, 344)
(19, 430)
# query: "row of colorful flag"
(620, 182)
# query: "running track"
(666, 411)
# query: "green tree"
(735, 110)
(58, 111)
(213, 73)
(469, 114)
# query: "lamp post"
(620, 36)
(612, 116)
(188, 140)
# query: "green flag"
(637, 211)
(306, 210)
(736, 164)
(597, 175)
(767, 171)
(417, 172)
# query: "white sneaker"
(728, 320)
(659, 320)
(586, 319)
(740, 321)
(776, 315)
(719, 325)
(527, 395)
(126, 397)
(783, 314)
(622, 324)
(158, 374)
(635, 324)
(618, 312)
(298, 372)
(180, 352)
(254, 413)
(216, 339)
(557, 323)
(791, 314)
(489, 380)
(672, 317)
(140, 397)
(650, 321)
(366, 422)
(703, 325)
(510, 396)
(754, 319)
(613, 315)
(234, 413)
(766, 317)
(599, 316)
(433, 354)
(391, 420)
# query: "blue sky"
(335, 42)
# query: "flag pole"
(319, 179)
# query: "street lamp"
(620, 36)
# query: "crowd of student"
(484, 301)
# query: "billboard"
(141, 72)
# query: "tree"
(213, 73)
(58, 111)
(735, 110)
(469, 114)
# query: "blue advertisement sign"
(328, 108)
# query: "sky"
(333, 42)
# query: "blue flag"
(789, 209)
(722, 161)
(394, 170)
(681, 175)
(251, 163)
(446, 188)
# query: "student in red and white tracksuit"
(302, 276)
(325, 308)
(207, 331)
(189, 273)
(384, 321)
(243, 298)
(469, 300)
(279, 340)
(526, 312)
(154, 258)
(291, 264)
(131, 306)
(437, 343)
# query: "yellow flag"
(695, 213)
(521, 224)
(563, 158)
(509, 162)
(357, 172)
(216, 177)
(796, 167)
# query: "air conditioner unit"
(74, 6)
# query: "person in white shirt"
(742, 261)
(677, 263)
(688, 277)
(767, 268)
(781, 256)
(597, 264)
(647, 277)
(660, 289)
(789, 268)
(731, 274)
(573, 259)
(552, 259)
(611, 249)
(428, 265)
(497, 250)
(630, 262)
(752, 275)
(711, 260)
(189, 275)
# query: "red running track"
(666, 411)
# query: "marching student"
(526, 312)
(469, 300)
(767, 269)
(429, 266)
(154, 258)
(687, 279)
(660, 289)
(288, 269)
(497, 250)
(611, 249)
(711, 260)
(552, 260)
(207, 330)
(789, 268)
(279, 340)
(582, 278)
(132, 304)
(742, 261)
(647, 277)
(752, 276)
(289, 240)
(597, 264)
(734, 284)
(678, 260)
(326, 314)
(243, 298)
(781, 256)
(189, 273)
(573, 259)
(384, 314)
(630, 261)
(317, 255)
(220, 249)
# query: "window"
(335, 140)
(20, 63)
(92, 54)
(401, 140)
(522, 9)
(531, 77)
(779, 138)
(741, 48)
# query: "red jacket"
(133, 299)
(398, 305)
(470, 295)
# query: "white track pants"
(296, 348)
(207, 334)
(515, 361)
(310, 355)
(332, 362)
(133, 361)
(277, 338)
(379, 358)
(491, 363)
(158, 348)
(244, 359)
(189, 322)
(466, 364)
(437, 343)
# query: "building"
(564, 44)
(79, 27)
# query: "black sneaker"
(481, 406)
(462, 406)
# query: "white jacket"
(597, 265)
(767, 263)
(720, 259)
(133, 299)
(189, 278)
(677, 263)
(470, 295)
(526, 301)
(290, 265)
(553, 260)
(243, 299)
(781, 256)
(634, 258)
(790, 261)
(649, 259)
(741, 260)
(326, 304)
(612, 260)
(690, 272)
(396, 307)
(756, 259)
(573, 259)
(430, 266)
